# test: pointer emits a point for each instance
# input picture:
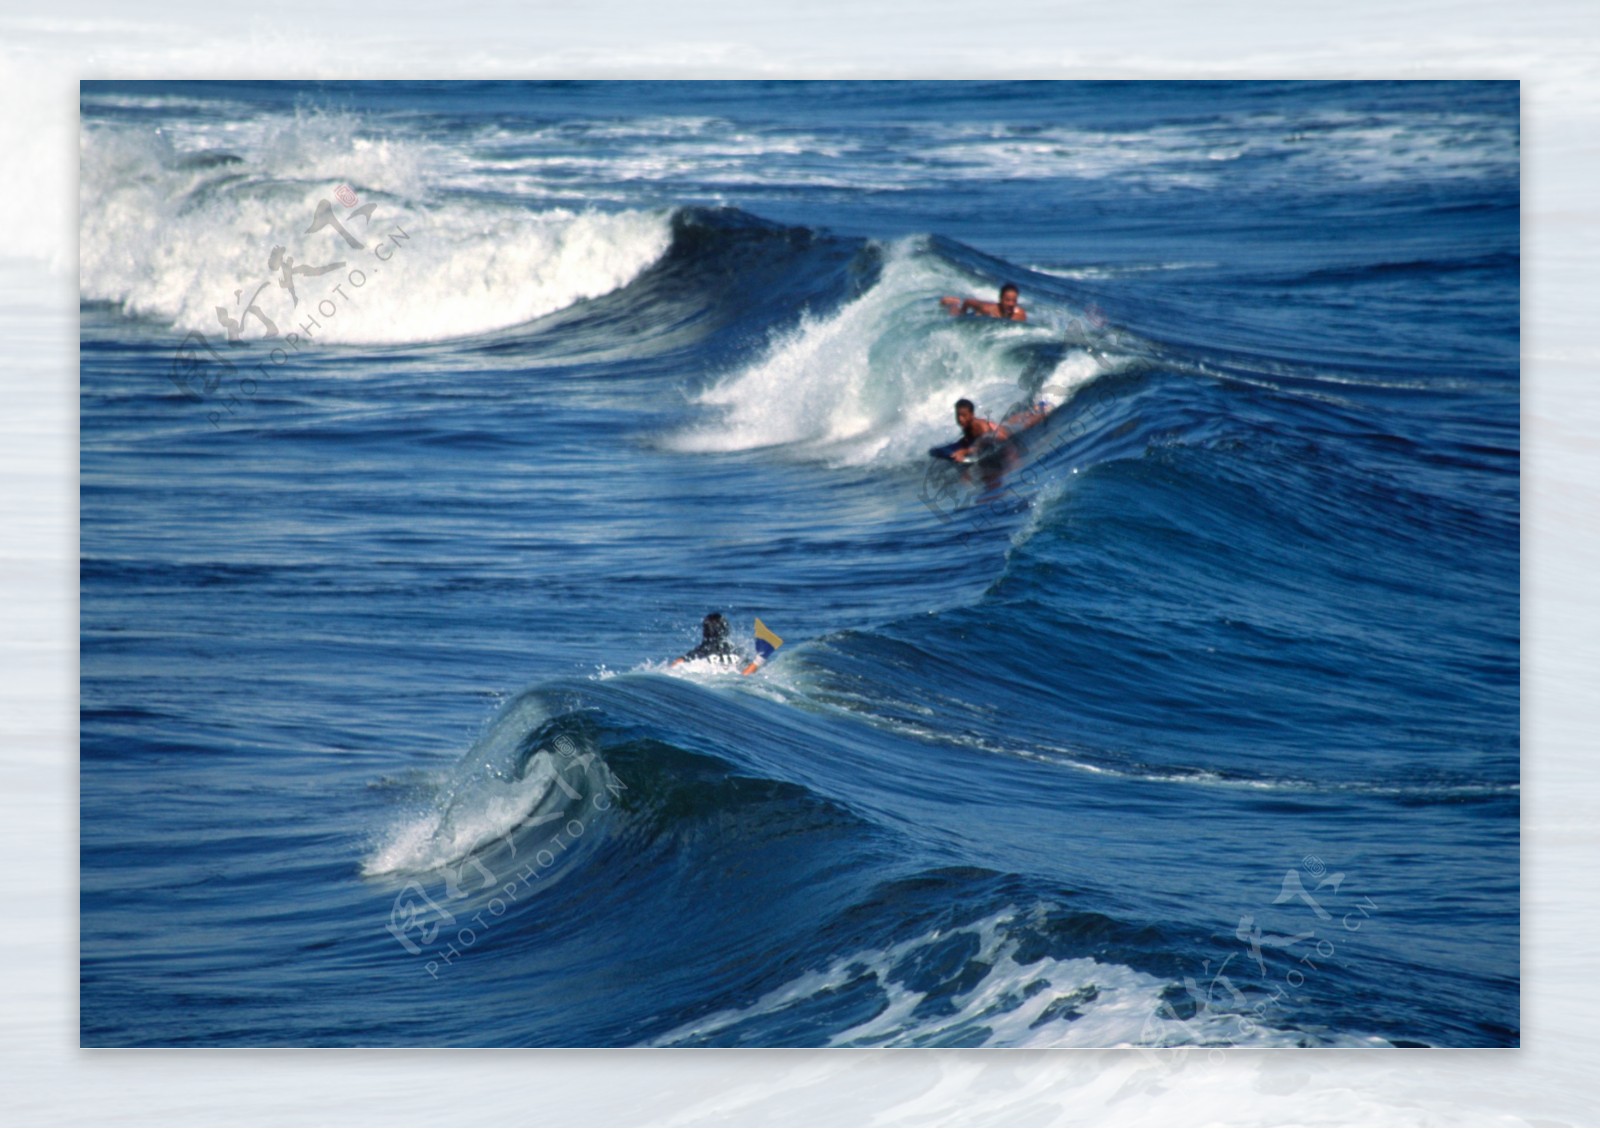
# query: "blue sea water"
(1193, 722)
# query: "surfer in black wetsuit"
(1006, 309)
(714, 642)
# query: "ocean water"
(1192, 723)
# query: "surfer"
(1006, 309)
(714, 642)
(977, 433)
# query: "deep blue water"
(1195, 721)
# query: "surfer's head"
(964, 413)
(714, 628)
(1008, 299)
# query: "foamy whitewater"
(421, 425)
(161, 218)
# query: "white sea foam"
(648, 150)
(1119, 270)
(1344, 146)
(173, 228)
(692, 670)
(452, 826)
(1045, 1002)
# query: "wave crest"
(174, 230)
(877, 379)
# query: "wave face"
(1187, 720)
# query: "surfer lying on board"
(977, 434)
(1005, 309)
(714, 643)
